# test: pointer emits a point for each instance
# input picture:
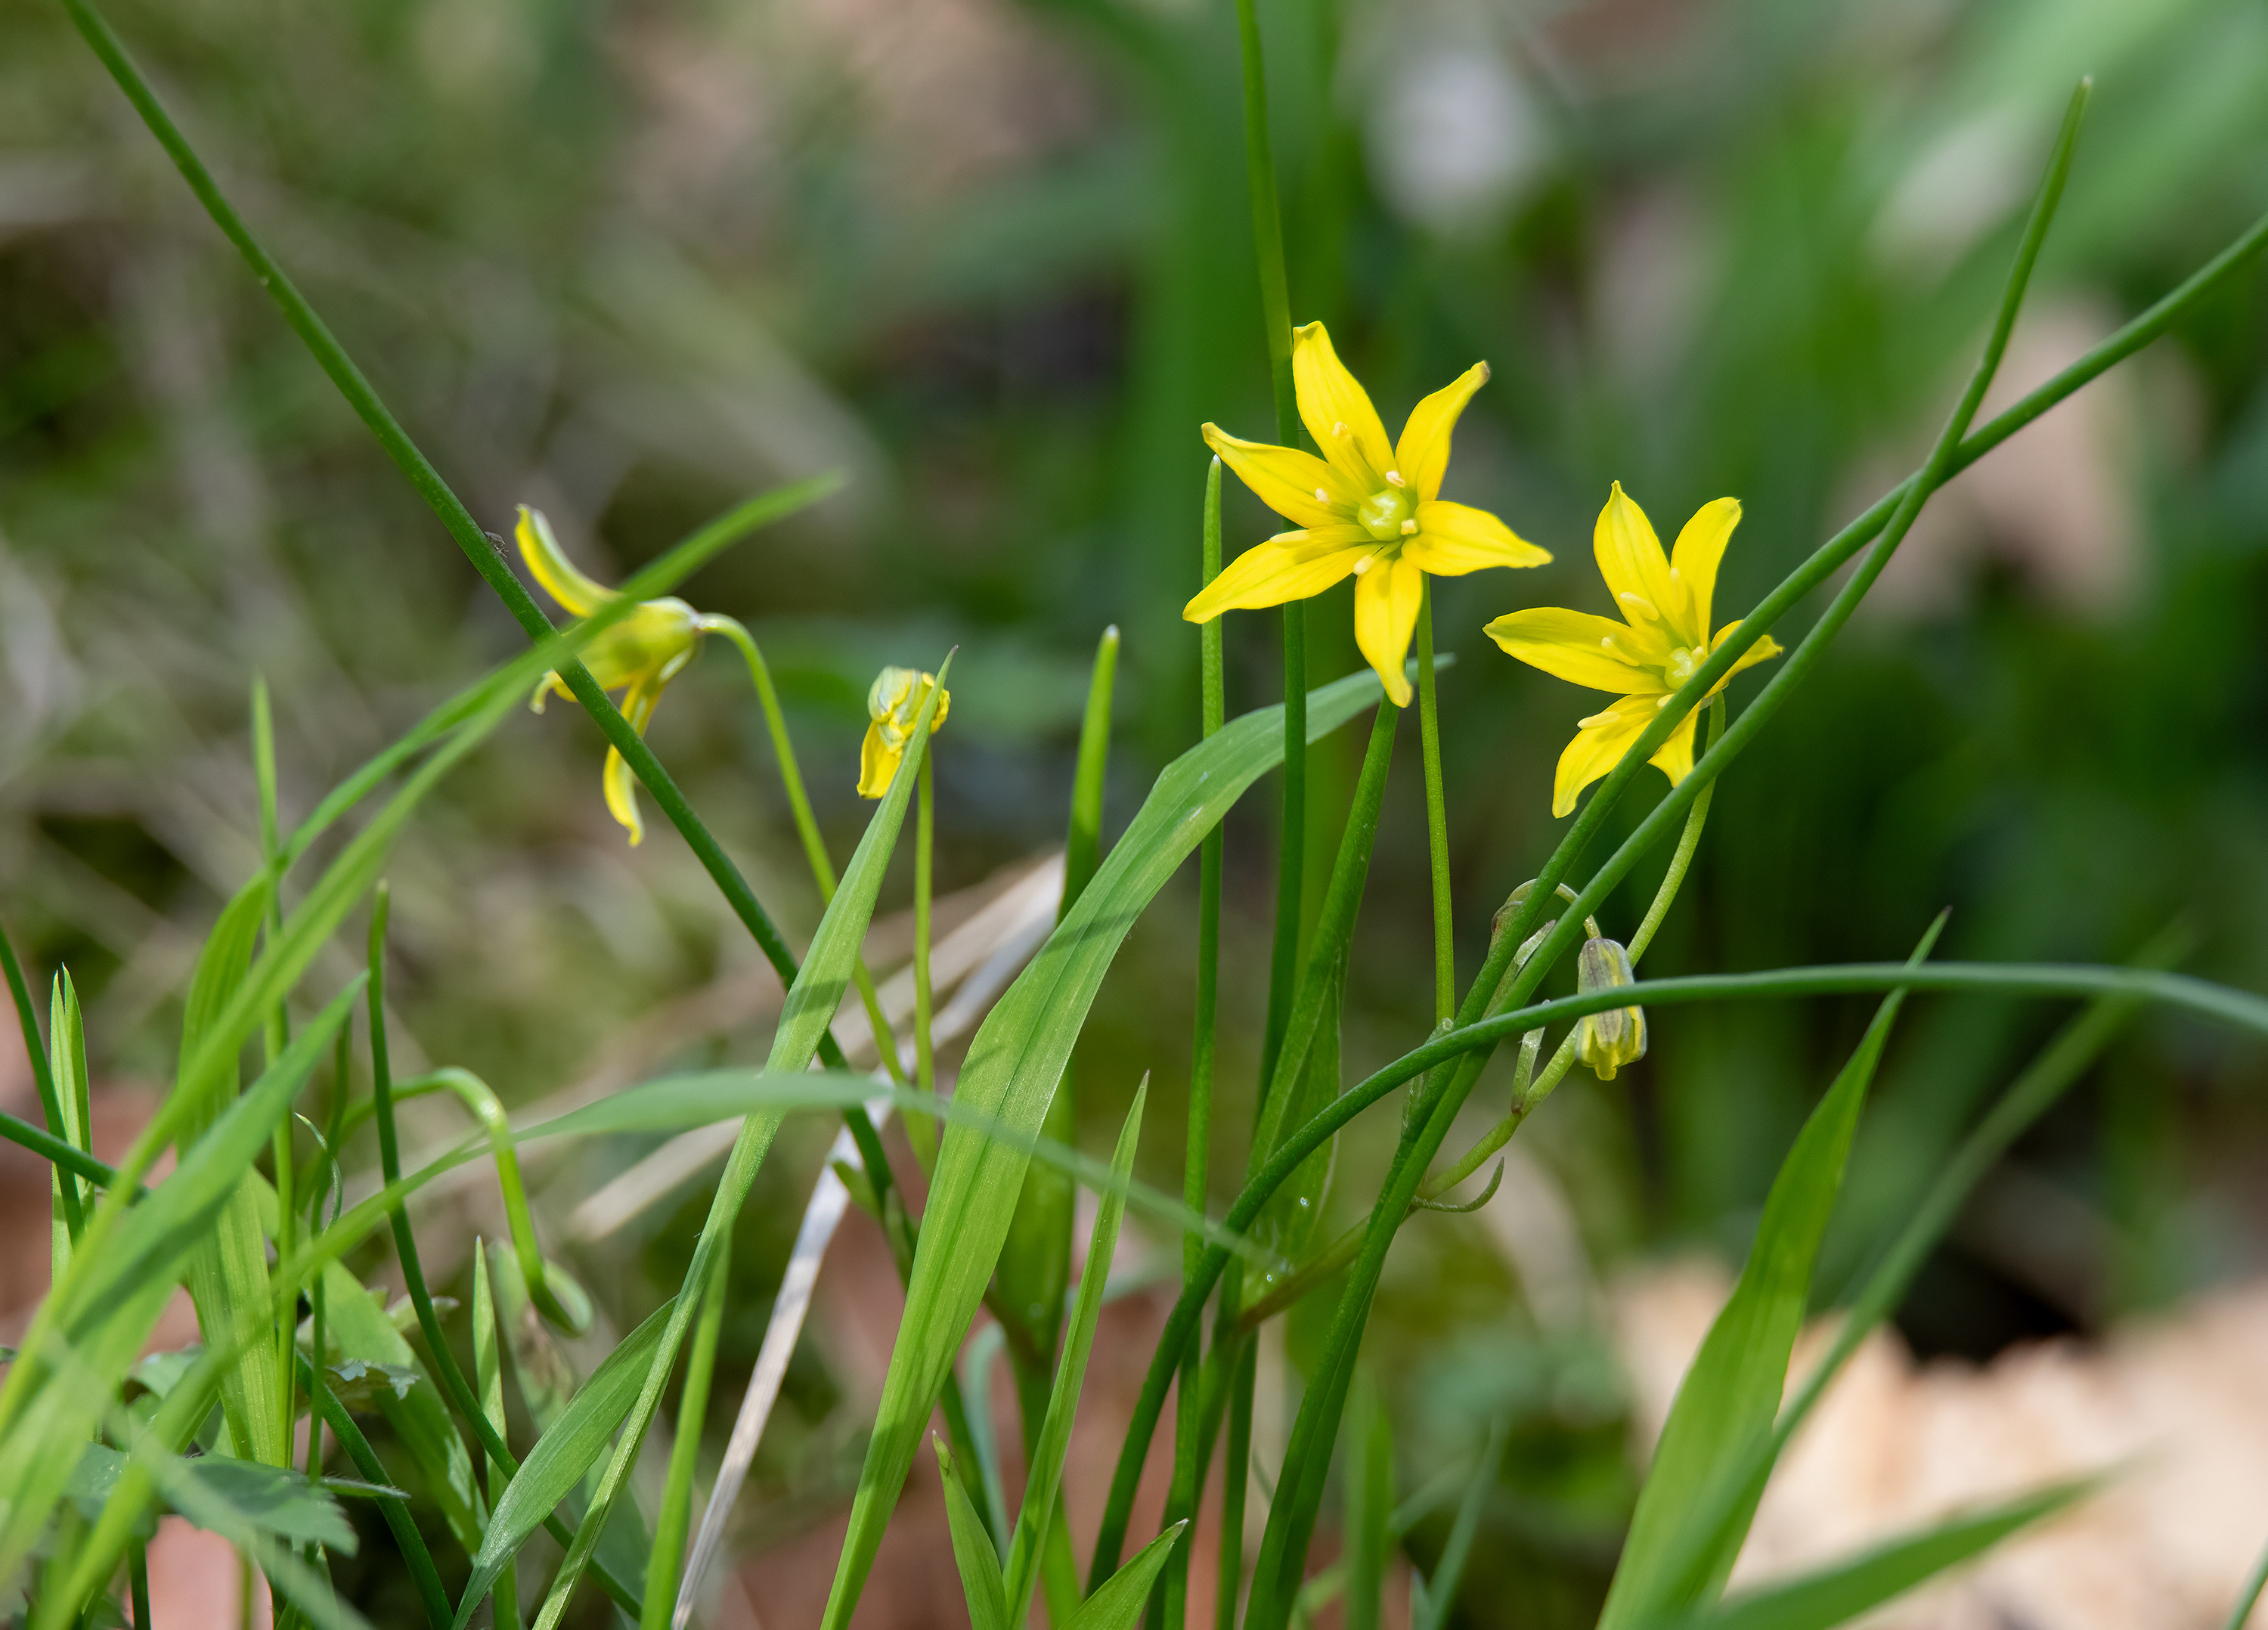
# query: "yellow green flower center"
(1389, 514)
(1683, 662)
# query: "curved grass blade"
(979, 1564)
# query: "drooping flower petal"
(1764, 651)
(1386, 601)
(1693, 564)
(1293, 566)
(894, 703)
(1637, 572)
(1337, 412)
(1422, 455)
(622, 785)
(549, 561)
(1597, 652)
(1299, 486)
(1454, 539)
(1605, 736)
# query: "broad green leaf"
(1843, 1592)
(972, 1549)
(1733, 1390)
(1053, 1440)
(1117, 1603)
(811, 1003)
(564, 1454)
(1013, 1064)
(96, 1323)
(273, 1499)
(373, 1360)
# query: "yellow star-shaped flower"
(637, 656)
(1662, 641)
(1366, 507)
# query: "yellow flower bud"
(892, 704)
(1607, 1041)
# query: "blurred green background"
(631, 262)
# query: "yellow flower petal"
(1386, 601)
(878, 763)
(1693, 562)
(620, 786)
(1637, 572)
(1764, 651)
(1598, 747)
(578, 594)
(1294, 567)
(1423, 453)
(1597, 652)
(1454, 539)
(1337, 410)
(1604, 737)
(1299, 486)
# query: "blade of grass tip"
(1449, 1572)
(664, 1565)
(67, 1026)
(35, 1049)
(811, 1002)
(1045, 1475)
(972, 1555)
(1119, 1605)
(332, 358)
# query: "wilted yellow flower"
(1368, 507)
(1608, 1041)
(893, 702)
(637, 656)
(1662, 641)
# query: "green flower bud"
(1607, 1041)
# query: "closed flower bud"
(1607, 1041)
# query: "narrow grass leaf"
(1013, 1064)
(972, 1548)
(1117, 1604)
(1733, 1390)
(1846, 1590)
(563, 1455)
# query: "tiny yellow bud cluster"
(1608, 1041)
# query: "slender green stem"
(2251, 1595)
(276, 1033)
(667, 1559)
(1236, 1481)
(424, 1578)
(51, 1106)
(1267, 224)
(1688, 842)
(1083, 844)
(925, 842)
(59, 1152)
(1188, 1456)
(1436, 820)
(453, 1385)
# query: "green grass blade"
(1083, 844)
(423, 1577)
(1369, 1488)
(556, 1465)
(972, 1549)
(1117, 1606)
(35, 1049)
(1045, 1475)
(1732, 1389)
(487, 1377)
(70, 1200)
(1013, 1064)
(1847, 1591)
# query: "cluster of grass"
(94, 1439)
